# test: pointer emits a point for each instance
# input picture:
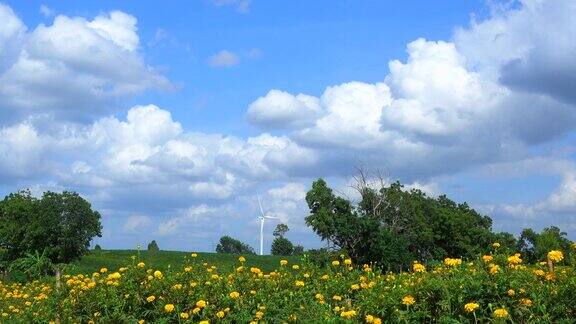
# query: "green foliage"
(153, 247)
(59, 224)
(535, 246)
(97, 248)
(31, 266)
(282, 246)
(392, 225)
(280, 230)
(231, 245)
(298, 250)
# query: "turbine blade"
(260, 205)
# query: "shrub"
(228, 244)
(282, 246)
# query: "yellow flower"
(487, 258)
(158, 274)
(193, 255)
(184, 315)
(515, 259)
(150, 298)
(348, 261)
(204, 322)
(259, 315)
(471, 307)
(295, 267)
(220, 314)
(417, 267)
(201, 303)
(141, 321)
(496, 245)
(299, 283)
(494, 268)
(555, 255)
(283, 262)
(337, 298)
(511, 292)
(324, 277)
(500, 312)
(369, 319)
(348, 314)
(452, 262)
(242, 259)
(408, 300)
(526, 302)
(103, 270)
(169, 308)
(355, 287)
(335, 263)
(141, 265)
(234, 294)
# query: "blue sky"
(171, 117)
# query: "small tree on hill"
(231, 245)
(281, 245)
(153, 247)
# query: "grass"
(114, 259)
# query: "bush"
(230, 245)
(298, 250)
(282, 246)
(32, 266)
(153, 247)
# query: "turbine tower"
(262, 217)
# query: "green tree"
(153, 247)
(535, 246)
(280, 230)
(228, 244)
(282, 246)
(59, 225)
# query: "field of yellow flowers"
(495, 287)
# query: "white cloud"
(72, 68)
(224, 58)
(279, 109)
(46, 11)
(242, 6)
(136, 223)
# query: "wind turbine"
(262, 217)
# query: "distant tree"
(282, 246)
(298, 250)
(228, 244)
(281, 230)
(535, 246)
(97, 248)
(393, 225)
(60, 226)
(153, 247)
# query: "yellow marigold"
(417, 267)
(501, 313)
(242, 259)
(515, 259)
(525, 302)
(452, 262)
(511, 292)
(348, 261)
(196, 310)
(494, 268)
(201, 303)
(169, 308)
(555, 255)
(348, 314)
(539, 272)
(220, 314)
(324, 277)
(158, 274)
(487, 258)
(141, 265)
(177, 287)
(369, 319)
(319, 296)
(471, 307)
(299, 283)
(295, 267)
(193, 255)
(184, 315)
(337, 298)
(283, 262)
(204, 322)
(234, 294)
(150, 298)
(354, 287)
(141, 321)
(408, 300)
(335, 263)
(103, 270)
(259, 315)
(496, 245)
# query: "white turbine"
(262, 217)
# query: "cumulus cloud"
(73, 68)
(279, 109)
(46, 11)
(224, 59)
(136, 223)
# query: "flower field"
(494, 287)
